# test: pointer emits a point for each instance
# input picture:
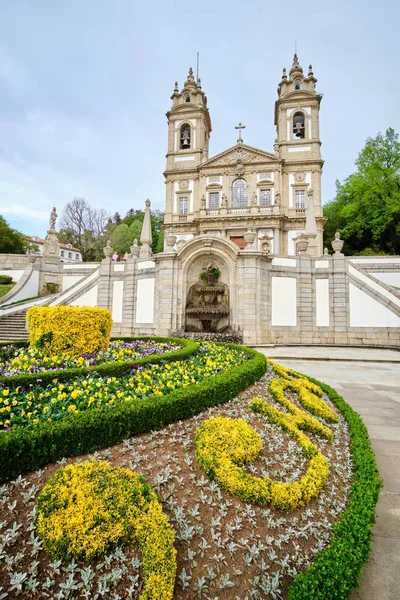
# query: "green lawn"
(5, 288)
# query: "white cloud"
(23, 212)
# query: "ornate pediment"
(247, 155)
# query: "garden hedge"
(335, 571)
(68, 330)
(115, 369)
(25, 449)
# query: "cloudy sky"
(85, 85)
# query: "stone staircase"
(13, 327)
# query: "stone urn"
(108, 251)
(337, 243)
(249, 237)
(302, 244)
(135, 249)
(170, 238)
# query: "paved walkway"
(373, 390)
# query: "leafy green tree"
(120, 239)
(11, 240)
(366, 209)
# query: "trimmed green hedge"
(106, 369)
(334, 573)
(25, 449)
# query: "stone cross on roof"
(240, 127)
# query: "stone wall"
(272, 299)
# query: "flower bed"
(154, 403)
(17, 361)
(225, 547)
(186, 349)
(57, 400)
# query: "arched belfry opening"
(298, 125)
(185, 137)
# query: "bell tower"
(189, 128)
(298, 145)
(297, 113)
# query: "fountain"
(207, 306)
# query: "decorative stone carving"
(135, 250)
(249, 237)
(170, 239)
(207, 306)
(184, 184)
(326, 252)
(302, 243)
(337, 243)
(108, 251)
(265, 244)
(53, 218)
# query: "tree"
(11, 240)
(120, 239)
(82, 226)
(366, 209)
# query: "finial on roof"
(176, 89)
(296, 65)
(310, 71)
(284, 76)
(190, 78)
(199, 83)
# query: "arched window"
(185, 137)
(239, 192)
(186, 97)
(297, 84)
(298, 125)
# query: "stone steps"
(13, 327)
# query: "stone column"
(339, 292)
(277, 245)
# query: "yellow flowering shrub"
(224, 445)
(69, 330)
(308, 393)
(88, 508)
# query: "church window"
(297, 84)
(265, 197)
(214, 200)
(186, 97)
(183, 205)
(239, 192)
(300, 197)
(298, 125)
(185, 137)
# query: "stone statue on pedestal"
(53, 218)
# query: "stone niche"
(207, 301)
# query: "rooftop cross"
(240, 127)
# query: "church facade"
(243, 248)
(244, 188)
